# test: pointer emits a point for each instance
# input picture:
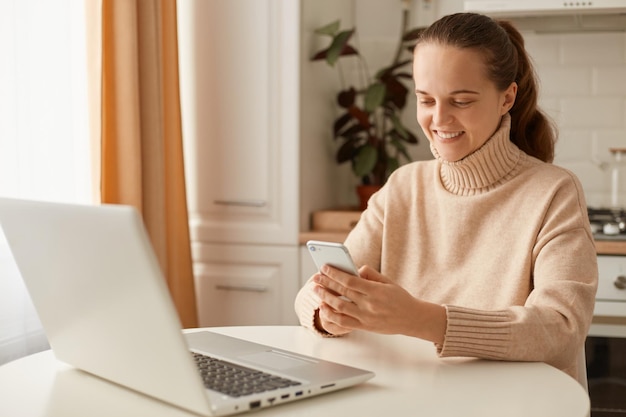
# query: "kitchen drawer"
(245, 284)
(612, 278)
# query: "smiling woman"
(44, 140)
(486, 250)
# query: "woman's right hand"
(322, 322)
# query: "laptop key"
(236, 380)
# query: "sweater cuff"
(475, 333)
(307, 308)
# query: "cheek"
(423, 118)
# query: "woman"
(485, 250)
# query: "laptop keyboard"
(236, 380)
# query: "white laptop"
(104, 305)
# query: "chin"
(449, 156)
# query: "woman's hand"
(375, 304)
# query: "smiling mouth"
(450, 135)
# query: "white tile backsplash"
(583, 87)
(609, 80)
(575, 82)
(592, 112)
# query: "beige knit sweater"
(500, 238)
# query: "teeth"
(448, 135)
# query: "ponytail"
(531, 130)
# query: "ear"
(509, 98)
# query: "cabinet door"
(245, 284)
(239, 77)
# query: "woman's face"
(458, 107)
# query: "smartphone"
(333, 254)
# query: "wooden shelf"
(610, 247)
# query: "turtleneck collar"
(483, 169)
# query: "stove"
(606, 344)
(607, 224)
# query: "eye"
(426, 101)
(462, 103)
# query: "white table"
(410, 381)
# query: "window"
(44, 135)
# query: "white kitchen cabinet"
(245, 284)
(239, 76)
(239, 71)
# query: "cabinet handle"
(620, 282)
(244, 203)
(249, 288)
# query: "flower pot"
(365, 192)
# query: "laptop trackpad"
(275, 360)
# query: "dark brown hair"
(502, 47)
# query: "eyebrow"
(451, 93)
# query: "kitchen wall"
(583, 87)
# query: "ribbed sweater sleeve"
(306, 305)
(479, 333)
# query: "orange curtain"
(141, 154)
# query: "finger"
(321, 281)
(331, 282)
(335, 322)
(333, 328)
(331, 298)
(341, 282)
(371, 274)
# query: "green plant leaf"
(386, 71)
(374, 96)
(407, 136)
(365, 160)
(396, 91)
(336, 49)
(340, 123)
(353, 131)
(401, 149)
(347, 151)
(397, 124)
(322, 55)
(412, 139)
(392, 165)
(329, 30)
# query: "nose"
(441, 113)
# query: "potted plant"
(369, 129)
